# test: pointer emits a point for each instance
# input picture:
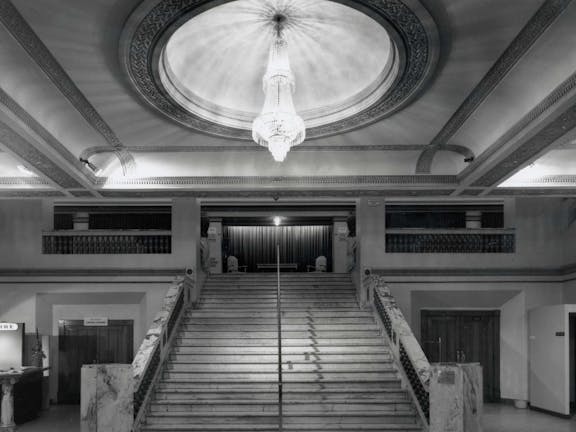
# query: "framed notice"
(96, 322)
(11, 345)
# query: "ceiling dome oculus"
(201, 62)
(342, 60)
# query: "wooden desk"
(273, 267)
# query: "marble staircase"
(337, 369)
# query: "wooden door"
(467, 337)
(79, 345)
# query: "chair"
(232, 265)
(321, 265)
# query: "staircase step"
(301, 342)
(222, 373)
(381, 395)
(285, 327)
(289, 407)
(302, 357)
(286, 350)
(296, 367)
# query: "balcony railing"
(450, 241)
(106, 242)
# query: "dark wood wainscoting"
(465, 336)
(79, 345)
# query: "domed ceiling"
(342, 60)
(155, 98)
(354, 62)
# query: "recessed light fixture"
(26, 171)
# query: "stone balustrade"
(448, 396)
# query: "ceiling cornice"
(276, 194)
(551, 134)
(20, 147)
(285, 180)
(530, 33)
(34, 126)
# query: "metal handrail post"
(279, 315)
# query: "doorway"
(465, 336)
(79, 345)
(572, 348)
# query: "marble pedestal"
(456, 398)
(107, 398)
(7, 382)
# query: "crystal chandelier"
(278, 126)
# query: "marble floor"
(497, 418)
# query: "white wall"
(550, 358)
(22, 223)
(512, 297)
(540, 225)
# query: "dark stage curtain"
(298, 244)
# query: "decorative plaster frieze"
(536, 191)
(531, 32)
(549, 135)
(15, 23)
(555, 97)
(282, 180)
(23, 181)
(31, 194)
(276, 194)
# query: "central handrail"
(279, 325)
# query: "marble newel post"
(340, 246)
(456, 398)
(215, 246)
(107, 398)
(7, 424)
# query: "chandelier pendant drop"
(278, 127)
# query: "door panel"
(467, 337)
(79, 345)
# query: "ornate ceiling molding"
(15, 23)
(549, 135)
(39, 130)
(560, 192)
(30, 194)
(548, 103)
(23, 181)
(319, 193)
(284, 180)
(14, 142)
(531, 32)
(153, 21)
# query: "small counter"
(21, 396)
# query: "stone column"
(340, 246)
(215, 246)
(456, 398)
(7, 424)
(473, 219)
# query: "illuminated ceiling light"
(278, 127)
(277, 220)
(26, 171)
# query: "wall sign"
(96, 322)
(8, 326)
